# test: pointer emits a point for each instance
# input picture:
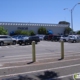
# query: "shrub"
(42, 30)
(3, 31)
(31, 33)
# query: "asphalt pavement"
(61, 70)
(44, 50)
(48, 70)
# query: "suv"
(74, 38)
(6, 39)
(28, 40)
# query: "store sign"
(23, 28)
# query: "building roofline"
(33, 24)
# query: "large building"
(13, 26)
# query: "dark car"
(46, 37)
(49, 37)
(28, 40)
(56, 38)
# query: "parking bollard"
(33, 51)
(62, 49)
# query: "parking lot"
(44, 50)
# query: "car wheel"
(1, 43)
(14, 43)
(74, 41)
(35, 42)
(30, 43)
(64, 40)
(20, 43)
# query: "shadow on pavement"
(71, 79)
(47, 75)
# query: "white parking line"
(29, 55)
(62, 67)
(43, 56)
(55, 53)
(55, 57)
(7, 46)
(41, 63)
(14, 46)
(38, 60)
(65, 76)
(0, 47)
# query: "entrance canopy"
(50, 32)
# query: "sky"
(40, 11)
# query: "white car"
(74, 38)
(6, 39)
(41, 37)
(64, 38)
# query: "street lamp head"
(65, 8)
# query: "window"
(8, 37)
(5, 23)
(3, 36)
(13, 23)
(25, 24)
(16, 24)
(8, 23)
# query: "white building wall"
(56, 28)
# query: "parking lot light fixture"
(71, 10)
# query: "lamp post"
(71, 10)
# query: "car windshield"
(71, 37)
(3, 36)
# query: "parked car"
(74, 38)
(56, 38)
(28, 40)
(64, 38)
(6, 39)
(41, 37)
(48, 37)
(52, 37)
(18, 37)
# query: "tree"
(78, 32)
(67, 30)
(18, 32)
(31, 33)
(21, 32)
(64, 22)
(42, 30)
(3, 31)
(25, 33)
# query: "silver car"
(6, 39)
(74, 38)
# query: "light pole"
(71, 10)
